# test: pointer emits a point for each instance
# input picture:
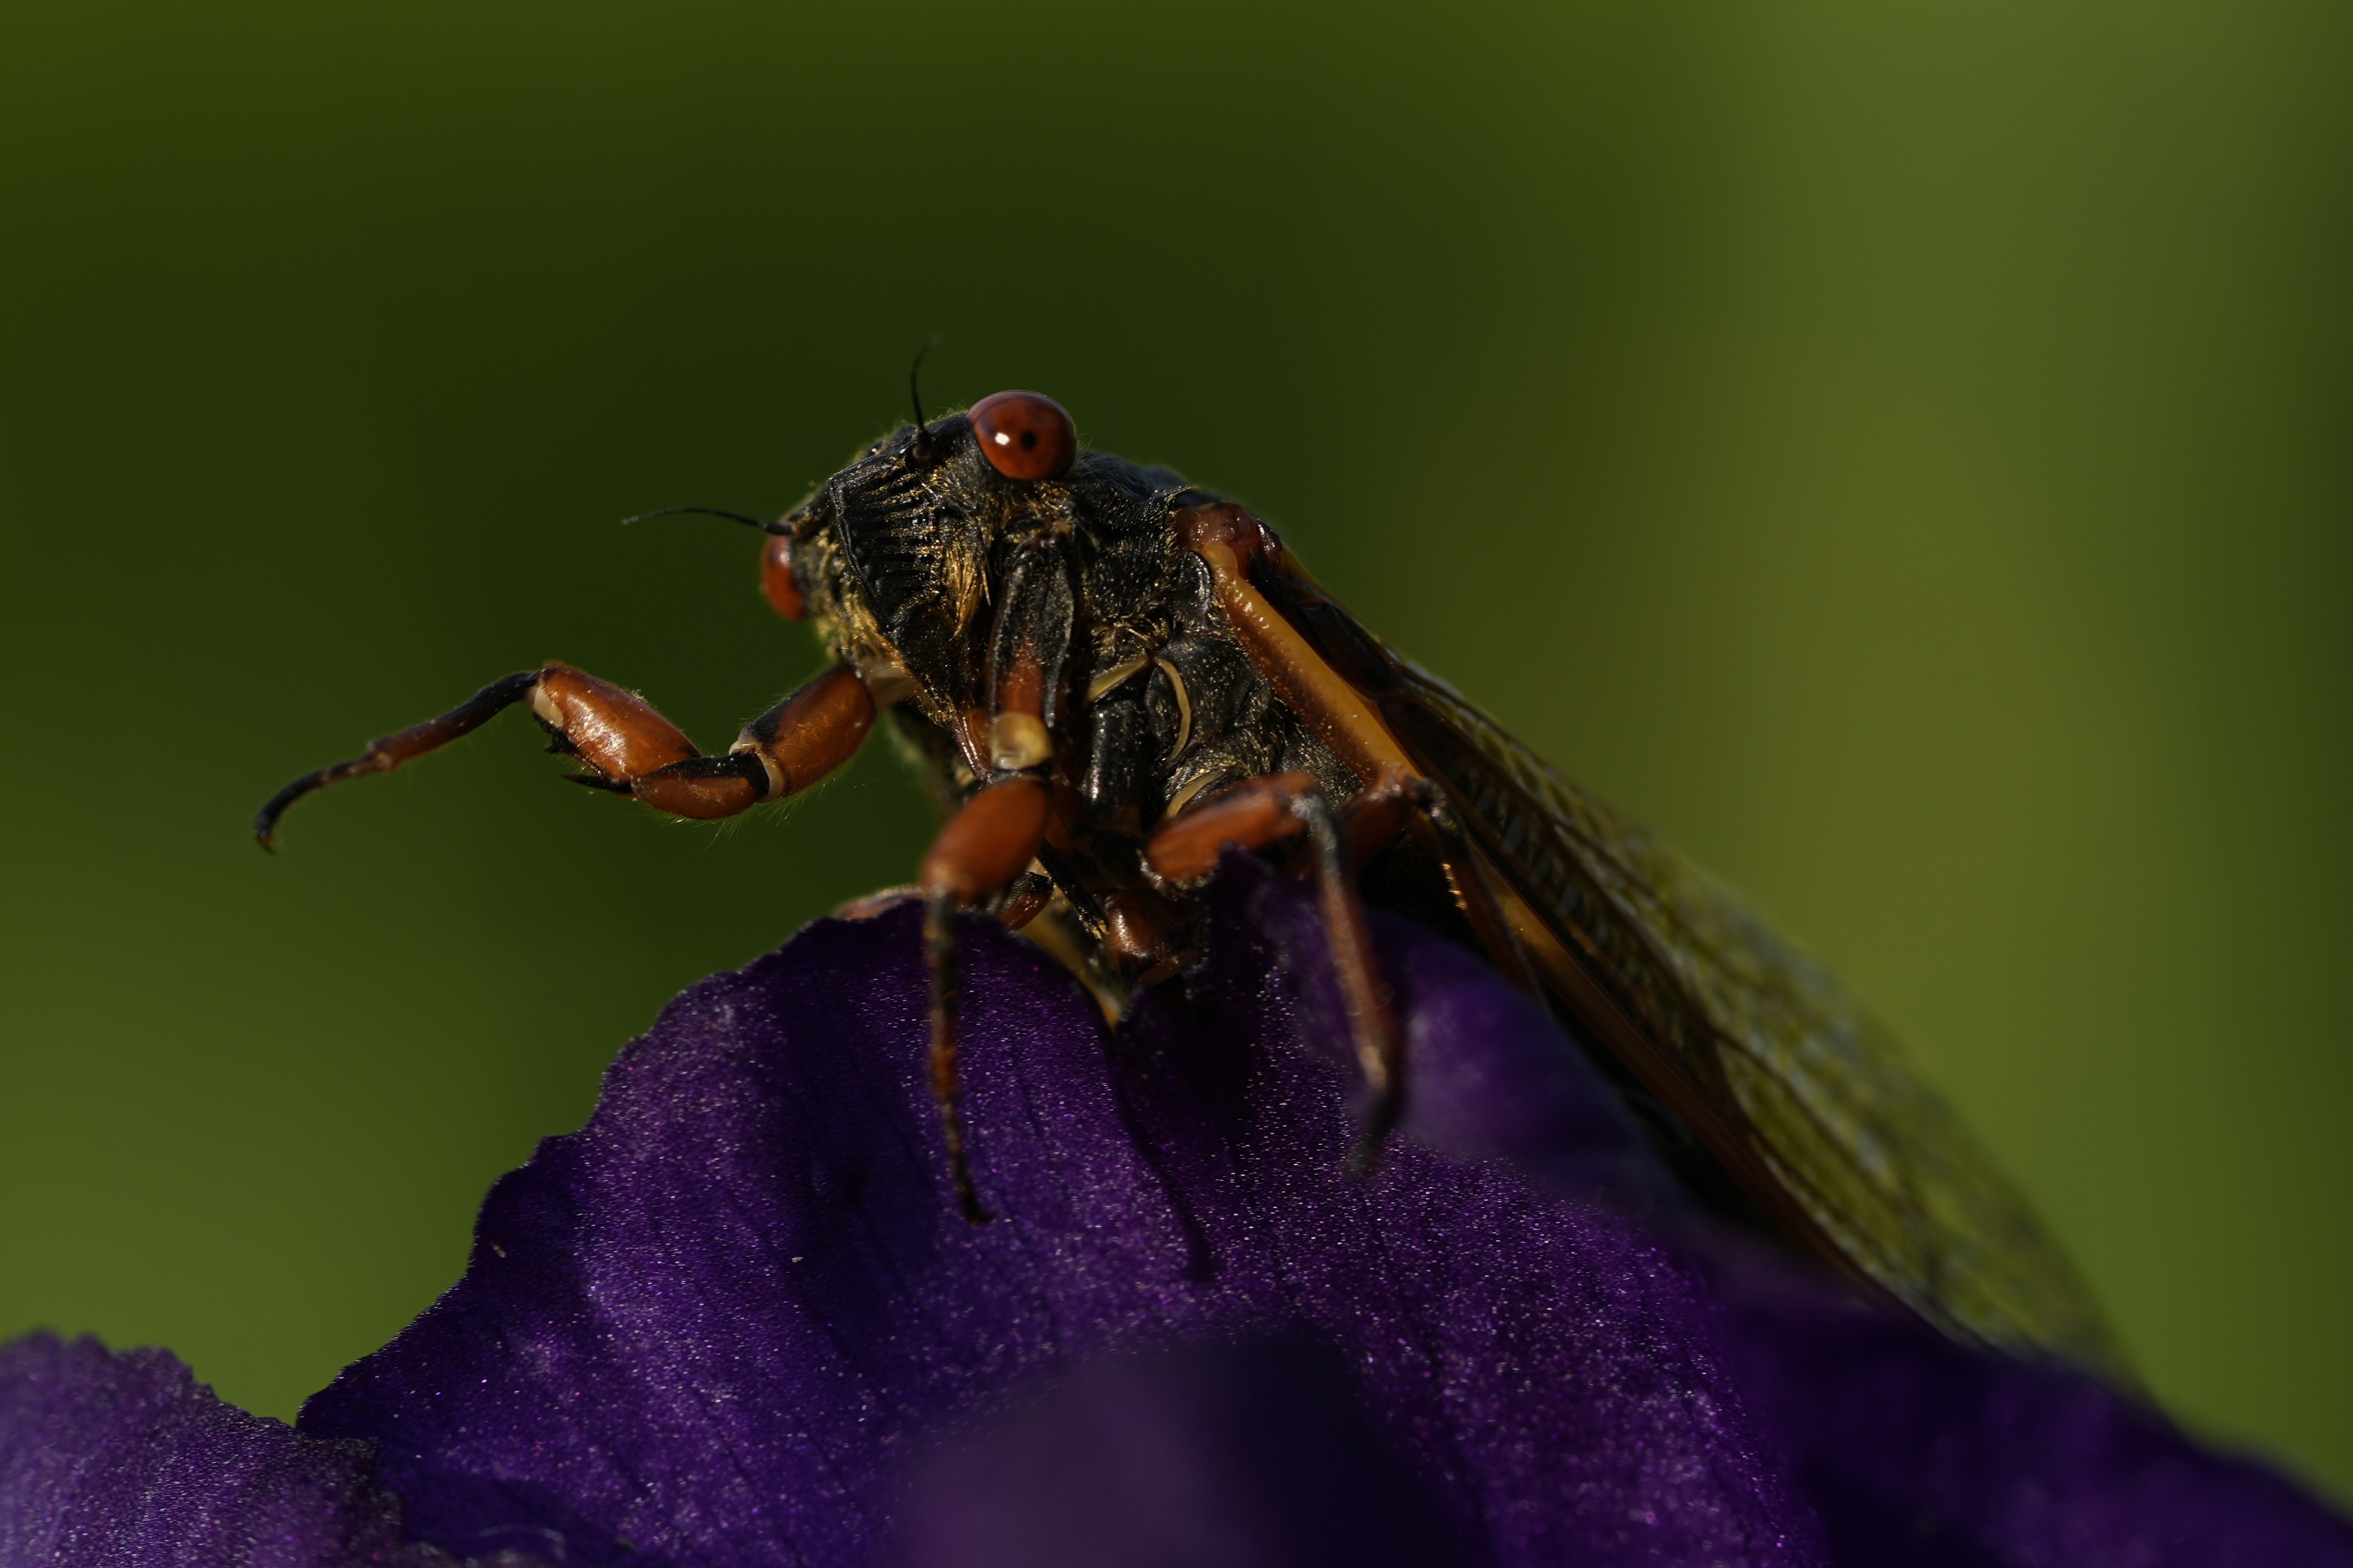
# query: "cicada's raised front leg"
(630, 749)
(984, 850)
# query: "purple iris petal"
(720, 1324)
(127, 1459)
(1916, 1451)
(1256, 1455)
(736, 1320)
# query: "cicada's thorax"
(1053, 627)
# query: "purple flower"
(736, 1319)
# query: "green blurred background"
(1900, 449)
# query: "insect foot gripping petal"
(987, 844)
(1372, 1024)
(1259, 811)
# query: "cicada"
(1110, 675)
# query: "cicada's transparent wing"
(1767, 1041)
(1797, 1092)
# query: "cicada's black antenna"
(708, 512)
(924, 449)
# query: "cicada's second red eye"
(1025, 436)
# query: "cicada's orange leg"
(1224, 537)
(630, 749)
(1022, 901)
(981, 851)
(1258, 813)
(1397, 803)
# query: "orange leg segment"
(629, 748)
(1396, 796)
(1253, 814)
(1264, 810)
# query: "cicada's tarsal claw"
(383, 756)
(1372, 1021)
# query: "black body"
(922, 566)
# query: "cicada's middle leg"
(629, 748)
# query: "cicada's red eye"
(1025, 436)
(776, 577)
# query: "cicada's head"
(954, 563)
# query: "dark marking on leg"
(947, 1081)
(384, 755)
(980, 850)
(1372, 1023)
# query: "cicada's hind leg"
(1397, 803)
(629, 748)
(1226, 538)
(1263, 810)
(983, 850)
(1255, 814)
